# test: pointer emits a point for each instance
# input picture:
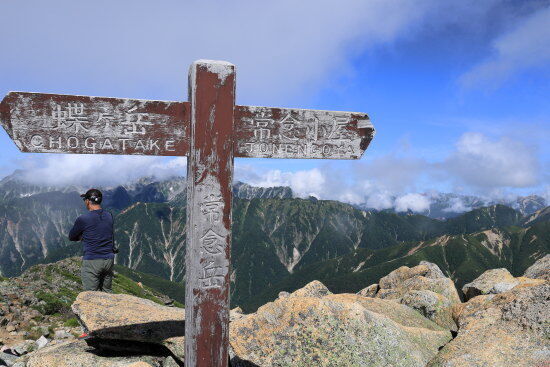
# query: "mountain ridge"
(275, 237)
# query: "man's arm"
(76, 232)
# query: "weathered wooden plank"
(267, 132)
(209, 177)
(53, 123)
(97, 125)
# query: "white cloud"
(282, 49)
(456, 205)
(487, 164)
(279, 47)
(398, 171)
(308, 183)
(105, 170)
(379, 200)
(526, 46)
(413, 202)
(478, 164)
(303, 183)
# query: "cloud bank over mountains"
(478, 164)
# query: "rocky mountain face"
(449, 205)
(462, 257)
(245, 191)
(411, 317)
(277, 242)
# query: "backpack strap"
(115, 248)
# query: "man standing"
(95, 230)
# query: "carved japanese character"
(71, 116)
(105, 118)
(212, 275)
(136, 122)
(212, 242)
(288, 127)
(336, 130)
(262, 126)
(211, 207)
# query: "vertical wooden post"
(209, 178)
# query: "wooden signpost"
(211, 130)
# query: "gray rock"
(423, 287)
(507, 329)
(335, 330)
(492, 281)
(283, 294)
(8, 359)
(540, 269)
(44, 330)
(126, 318)
(25, 347)
(41, 342)
(369, 291)
(75, 353)
(62, 334)
(170, 362)
(434, 271)
(530, 309)
(312, 289)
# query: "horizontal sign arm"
(52, 123)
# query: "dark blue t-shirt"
(95, 228)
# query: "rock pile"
(540, 269)
(38, 304)
(312, 327)
(498, 330)
(423, 288)
(412, 318)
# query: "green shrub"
(51, 305)
(72, 322)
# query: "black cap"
(94, 195)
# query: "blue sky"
(457, 90)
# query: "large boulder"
(76, 353)
(501, 330)
(540, 269)
(496, 281)
(492, 281)
(108, 317)
(423, 287)
(323, 329)
(121, 316)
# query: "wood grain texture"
(268, 132)
(209, 179)
(50, 123)
(53, 123)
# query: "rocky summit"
(423, 288)
(413, 317)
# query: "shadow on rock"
(153, 332)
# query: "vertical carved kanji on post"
(209, 178)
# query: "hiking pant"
(97, 275)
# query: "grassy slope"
(64, 285)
